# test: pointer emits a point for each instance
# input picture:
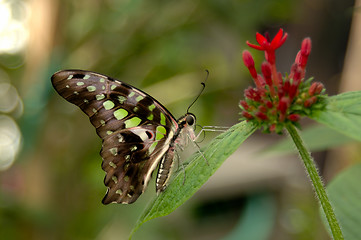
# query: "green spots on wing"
(80, 83)
(126, 178)
(112, 87)
(126, 166)
(102, 122)
(121, 99)
(162, 119)
(91, 88)
(115, 179)
(139, 98)
(120, 137)
(151, 107)
(132, 122)
(161, 132)
(108, 105)
(131, 94)
(120, 192)
(152, 147)
(109, 132)
(150, 117)
(120, 113)
(113, 151)
(100, 97)
(86, 76)
(101, 80)
(112, 165)
(70, 76)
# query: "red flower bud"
(306, 47)
(262, 109)
(303, 54)
(247, 115)
(280, 81)
(315, 88)
(269, 104)
(281, 93)
(283, 104)
(310, 101)
(252, 94)
(298, 57)
(286, 86)
(249, 63)
(294, 117)
(312, 89)
(319, 88)
(267, 73)
(260, 82)
(293, 91)
(296, 73)
(261, 116)
(244, 104)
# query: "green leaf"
(317, 138)
(345, 193)
(343, 113)
(197, 172)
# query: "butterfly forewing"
(135, 128)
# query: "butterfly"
(138, 133)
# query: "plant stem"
(317, 182)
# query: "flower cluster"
(276, 99)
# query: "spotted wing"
(135, 128)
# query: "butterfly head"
(188, 120)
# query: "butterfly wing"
(135, 128)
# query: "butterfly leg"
(198, 147)
(177, 157)
(211, 129)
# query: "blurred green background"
(51, 183)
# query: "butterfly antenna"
(203, 86)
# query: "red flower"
(269, 47)
(278, 99)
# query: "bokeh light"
(13, 30)
(9, 141)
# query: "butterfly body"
(138, 133)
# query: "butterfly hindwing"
(131, 160)
(135, 128)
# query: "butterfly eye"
(190, 120)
